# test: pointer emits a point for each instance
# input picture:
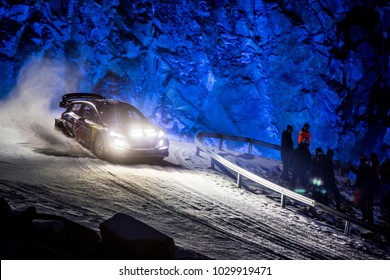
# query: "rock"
(64, 235)
(28, 235)
(124, 237)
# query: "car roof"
(99, 103)
(96, 99)
(104, 102)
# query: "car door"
(70, 116)
(83, 126)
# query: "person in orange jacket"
(304, 135)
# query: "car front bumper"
(122, 149)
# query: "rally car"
(110, 128)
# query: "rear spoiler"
(78, 96)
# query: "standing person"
(301, 165)
(319, 192)
(376, 165)
(287, 149)
(327, 172)
(304, 135)
(368, 184)
(385, 188)
(359, 177)
(376, 162)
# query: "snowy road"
(200, 208)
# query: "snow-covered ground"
(200, 208)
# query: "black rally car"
(110, 128)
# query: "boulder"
(64, 235)
(124, 237)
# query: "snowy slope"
(201, 208)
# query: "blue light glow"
(247, 69)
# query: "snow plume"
(26, 116)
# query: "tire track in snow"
(231, 230)
(90, 187)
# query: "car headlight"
(117, 140)
(115, 134)
(150, 132)
(136, 133)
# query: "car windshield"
(120, 114)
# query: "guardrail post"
(220, 144)
(212, 163)
(250, 147)
(197, 148)
(282, 200)
(239, 180)
(347, 228)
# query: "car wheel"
(99, 146)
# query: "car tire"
(99, 146)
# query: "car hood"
(133, 126)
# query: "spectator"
(304, 135)
(301, 165)
(376, 165)
(359, 174)
(368, 183)
(287, 149)
(319, 193)
(327, 174)
(385, 188)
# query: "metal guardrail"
(251, 142)
(242, 172)
(223, 137)
(284, 193)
